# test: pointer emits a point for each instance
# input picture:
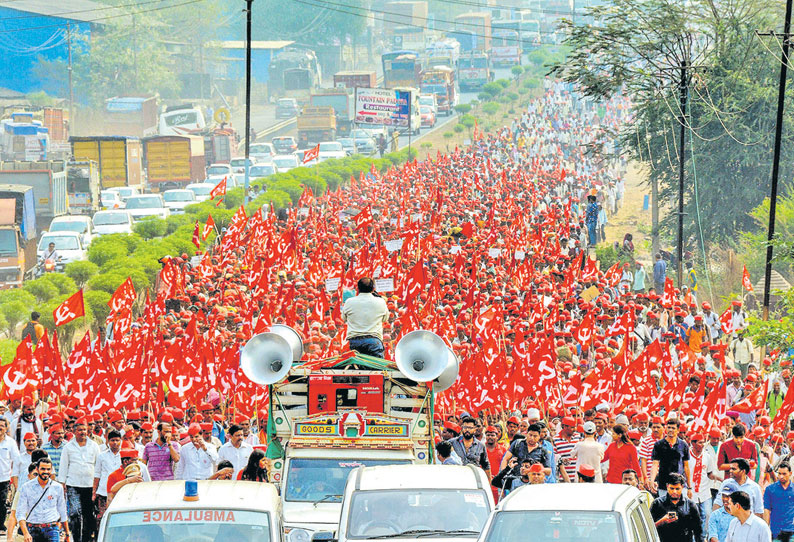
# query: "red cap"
(115, 417)
(147, 426)
(536, 467)
(568, 420)
(194, 429)
(56, 427)
(657, 420)
(715, 433)
(128, 453)
(490, 429)
(698, 436)
(452, 426)
(586, 470)
(166, 417)
(29, 436)
(206, 426)
(513, 419)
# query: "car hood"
(178, 204)
(66, 255)
(325, 516)
(111, 228)
(147, 211)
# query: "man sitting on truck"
(365, 315)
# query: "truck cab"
(474, 71)
(316, 124)
(17, 235)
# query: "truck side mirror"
(323, 536)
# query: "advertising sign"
(380, 106)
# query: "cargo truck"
(440, 81)
(474, 71)
(120, 158)
(17, 234)
(506, 48)
(316, 124)
(173, 161)
(342, 102)
(83, 187)
(299, 83)
(22, 138)
(400, 69)
(48, 180)
(134, 116)
(353, 79)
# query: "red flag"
(122, 297)
(311, 154)
(219, 190)
(196, 240)
(70, 309)
(746, 280)
(364, 218)
(668, 296)
(725, 321)
(584, 333)
(208, 227)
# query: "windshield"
(286, 102)
(240, 162)
(286, 161)
(201, 190)
(62, 242)
(260, 148)
(331, 146)
(383, 513)
(259, 171)
(144, 202)
(182, 195)
(217, 170)
(573, 526)
(424, 110)
(69, 225)
(184, 525)
(309, 480)
(8, 243)
(110, 219)
(109, 196)
(360, 134)
(426, 100)
(183, 117)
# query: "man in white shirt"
(236, 449)
(25, 423)
(21, 466)
(197, 459)
(106, 462)
(76, 472)
(9, 456)
(365, 315)
(250, 437)
(13, 411)
(741, 348)
(746, 526)
(703, 466)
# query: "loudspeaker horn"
(292, 337)
(266, 358)
(450, 373)
(421, 356)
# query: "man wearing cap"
(589, 452)
(738, 316)
(54, 447)
(21, 467)
(9, 456)
(207, 410)
(209, 438)
(25, 423)
(779, 504)
(512, 426)
(117, 479)
(704, 468)
(197, 459)
(602, 436)
(697, 334)
(774, 399)
(250, 436)
(162, 455)
(741, 348)
(494, 450)
(365, 315)
(470, 450)
(106, 462)
(585, 474)
(721, 518)
(77, 474)
(236, 449)
(712, 322)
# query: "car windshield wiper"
(419, 533)
(325, 498)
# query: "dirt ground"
(631, 218)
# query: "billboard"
(378, 106)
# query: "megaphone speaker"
(266, 358)
(292, 337)
(450, 373)
(421, 356)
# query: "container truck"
(83, 187)
(400, 69)
(120, 158)
(353, 79)
(22, 138)
(173, 161)
(48, 180)
(316, 124)
(299, 83)
(134, 116)
(506, 47)
(342, 102)
(440, 81)
(480, 25)
(17, 234)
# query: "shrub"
(463, 108)
(97, 301)
(42, 289)
(14, 313)
(448, 135)
(150, 228)
(490, 108)
(459, 128)
(517, 71)
(63, 283)
(504, 83)
(107, 247)
(81, 271)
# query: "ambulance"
(190, 511)
(331, 417)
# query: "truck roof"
(225, 494)
(103, 138)
(18, 188)
(590, 497)
(420, 477)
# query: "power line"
(509, 8)
(59, 15)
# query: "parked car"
(238, 164)
(219, 170)
(331, 149)
(124, 192)
(176, 200)
(285, 162)
(260, 152)
(110, 200)
(262, 170)
(140, 207)
(284, 144)
(114, 221)
(67, 244)
(77, 223)
(349, 144)
(286, 108)
(427, 115)
(572, 512)
(201, 191)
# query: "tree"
(14, 312)
(312, 24)
(97, 301)
(42, 289)
(81, 271)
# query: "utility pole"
(781, 102)
(248, 4)
(134, 54)
(683, 92)
(69, 70)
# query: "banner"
(378, 106)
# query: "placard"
(393, 245)
(384, 285)
(520, 255)
(416, 217)
(455, 249)
(494, 252)
(332, 285)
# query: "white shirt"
(9, 457)
(252, 439)
(21, 466)
(365, 315)
(77, 463)
(238, 456)
(708, 466)
(106, 462)
(26, 428)
(754, 529)
(195, 463)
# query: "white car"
(285, 162)
(201, 191)
(572, 512)
(429, 100)
(67, 245)
(261, 152)
(124, 192)
(331, 149)
(219, 170)
(176, 200)
(147, 205)
(261, 170)
(79, 224)
(112, 221)
(238, 164)
(110, 200)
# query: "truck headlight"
(297, 535)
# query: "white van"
(572, 513)
(181, 120)
(415, 502)
(225, 511)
